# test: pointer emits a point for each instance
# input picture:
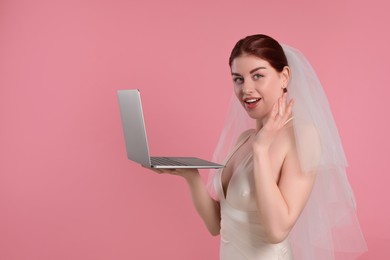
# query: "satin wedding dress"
(242, 234)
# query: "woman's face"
(257, 84)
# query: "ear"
(285, 75)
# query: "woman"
(283, 193)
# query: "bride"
(283, 193)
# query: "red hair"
(261, 46)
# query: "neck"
(259, 124)
(261, 121)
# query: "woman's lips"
(251, 103)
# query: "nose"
(247, 87)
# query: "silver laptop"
(136, 140)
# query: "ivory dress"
(242, 234)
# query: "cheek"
(273, 89)
(270, 97)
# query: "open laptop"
(136, 140)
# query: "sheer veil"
(328, 226)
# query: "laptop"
(137, 148)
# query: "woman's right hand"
(278, 117)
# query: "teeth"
(252, 100)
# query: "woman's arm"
(207, 208)
(280, 202)
(281, 191)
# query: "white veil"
(328, 226)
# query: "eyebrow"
(254, 70)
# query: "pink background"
(67, 190)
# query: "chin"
(254, 115)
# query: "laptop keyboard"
(165, 161)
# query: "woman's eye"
(238, 80)
(257, 76)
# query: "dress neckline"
(238, 146)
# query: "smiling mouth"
(250, 101)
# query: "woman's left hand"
(279, 114)
(187, 174)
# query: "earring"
(284, 90)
